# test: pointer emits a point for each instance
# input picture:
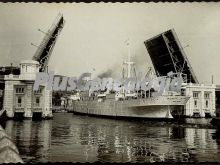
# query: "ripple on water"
(72, 138)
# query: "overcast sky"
(94, 34)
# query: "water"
(72, 138)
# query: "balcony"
(37, 109)
(12, 77)
(206, 110)
(196, 110)
(19, 109)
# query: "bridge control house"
(20, 100)
(202, 100)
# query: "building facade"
(217, 93)
(202, 100)
(19, 97)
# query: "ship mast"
(129, 63)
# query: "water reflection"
(216, 136)
(71, 138)
(178, 133)
(32, 138)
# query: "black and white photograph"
(110, 82)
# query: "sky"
(94, 35)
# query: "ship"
(108, 105)
(131, 104)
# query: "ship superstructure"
(131, 103)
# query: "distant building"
(1, 99)
(19, 97)
(202, 100)
(9, 69)
(6, 70)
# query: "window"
(23, 67)
(207, 103)
(183, 92)
(195, 95)
(19, 90)
(37, 102)
(19, 102)
(207, 95)
(19, 99)
(195, 103)
(38, 91)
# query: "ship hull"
(157, 108)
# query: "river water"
(74, 138)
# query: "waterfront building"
(19, 97)
(1, 98)
(217, 93)
(202, 100)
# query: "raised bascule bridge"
(168, 55)
(45, 49)
(19, 98)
